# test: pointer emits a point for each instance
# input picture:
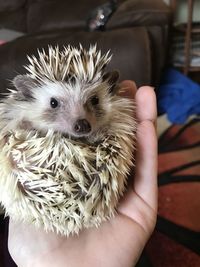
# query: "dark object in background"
(100, 15)
(5, 258)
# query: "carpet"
(176, 239)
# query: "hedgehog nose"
(82, 126)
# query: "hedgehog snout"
(82, 126)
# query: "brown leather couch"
(136, 34)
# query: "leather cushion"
(130, 49)
(51, 15)
(15, 20)
(10, 5)
(140, 13)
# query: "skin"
(120, 241)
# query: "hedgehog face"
(76, 108)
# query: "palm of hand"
(118, 242)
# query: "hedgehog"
(66, 141)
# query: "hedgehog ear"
(24, 84)
(112, 79)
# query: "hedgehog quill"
(66, 140)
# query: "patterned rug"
(176, 239)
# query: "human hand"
(118, 242)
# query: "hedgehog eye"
(94, 100)
(53, 102)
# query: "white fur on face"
(74, 104)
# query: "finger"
(145, 182)
(146, 104)
(127, 89)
